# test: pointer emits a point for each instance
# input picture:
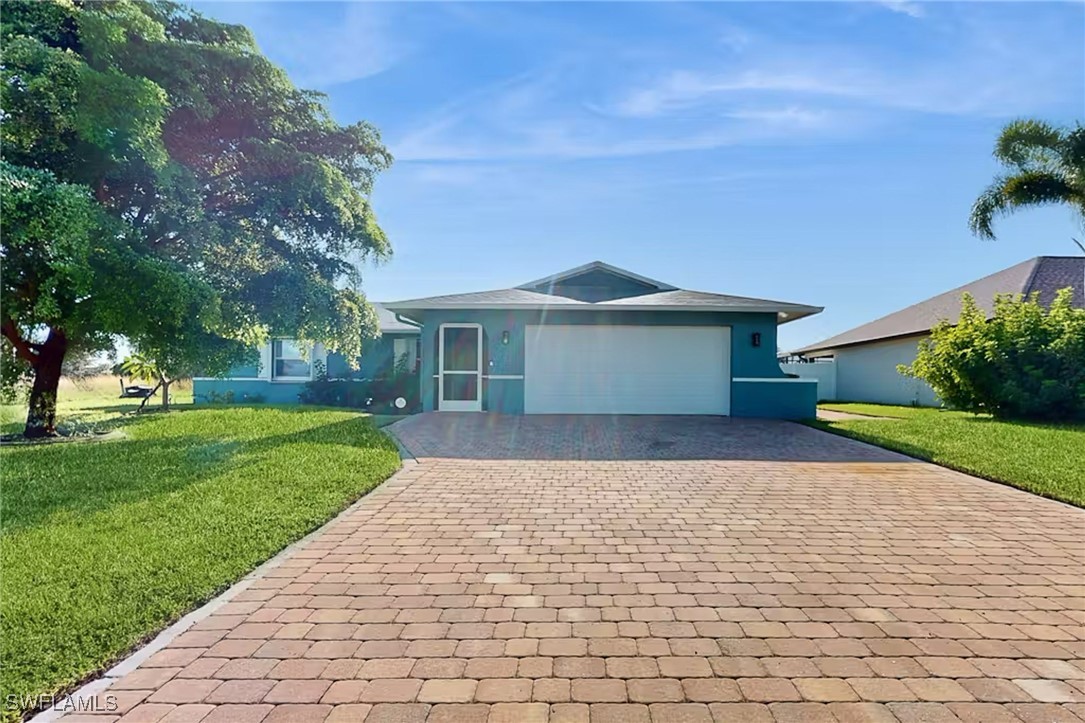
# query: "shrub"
(336, 393)
(1025, 362)
(376, 395)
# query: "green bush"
(376, 395)
(351, 393)
(1025, 362)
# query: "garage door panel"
(627, 370)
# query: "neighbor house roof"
(1044, 275)
(657, 296)
(389, 323)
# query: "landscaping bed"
(102, 545)
(1046, 459)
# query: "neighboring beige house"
(867, 356)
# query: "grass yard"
(104, 543)
(1046, 459)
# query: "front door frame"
(459, 405)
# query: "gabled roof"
(1044, 275)
(389, 323)
(555, 279)
(657, 296)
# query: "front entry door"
(460, 381)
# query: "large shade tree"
(1045, 165)
(169, 184)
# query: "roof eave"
(784, 313)
(823, 347)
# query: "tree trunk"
(41, 416)
(148, 397)
(166, 393)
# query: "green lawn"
(102, 544)
(874, 410)
(1047, 459)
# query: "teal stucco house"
(597, 339)
(283, 366)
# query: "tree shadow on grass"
(43, 480)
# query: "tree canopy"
(170, 184)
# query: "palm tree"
(1045, 165)
(140, 366)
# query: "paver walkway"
(639, 569)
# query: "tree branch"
(23, 348)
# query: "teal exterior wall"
(376, 355)
(779, 399)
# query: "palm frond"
(1074, 155)
(1009, 193)
(1027, 143)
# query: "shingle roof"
(661, 298)
(487, 299)
(682, 298)
(388, 322)
(1043, 274)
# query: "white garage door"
(627, 370)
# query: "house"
(867, 356)
(597, 339)
(284, 366)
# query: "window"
(287, 361)
(405, 346)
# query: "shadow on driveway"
(626, 437)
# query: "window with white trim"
(288, 361)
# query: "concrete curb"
(164, 638)
(405, 454)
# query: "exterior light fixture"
(505, 338)
(755, 338)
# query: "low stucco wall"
(787, 399)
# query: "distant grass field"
(104, 543)
(1046, 459)
(91, 403)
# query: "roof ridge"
(1032, 275)
(592, 266)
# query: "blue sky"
(819, 153)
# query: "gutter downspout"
(411, 322)
(403, 320)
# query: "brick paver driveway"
(662, 569)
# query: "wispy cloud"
(985, 69)
(749, 87)
(527, 117)
(905, 7)
(354, 41)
